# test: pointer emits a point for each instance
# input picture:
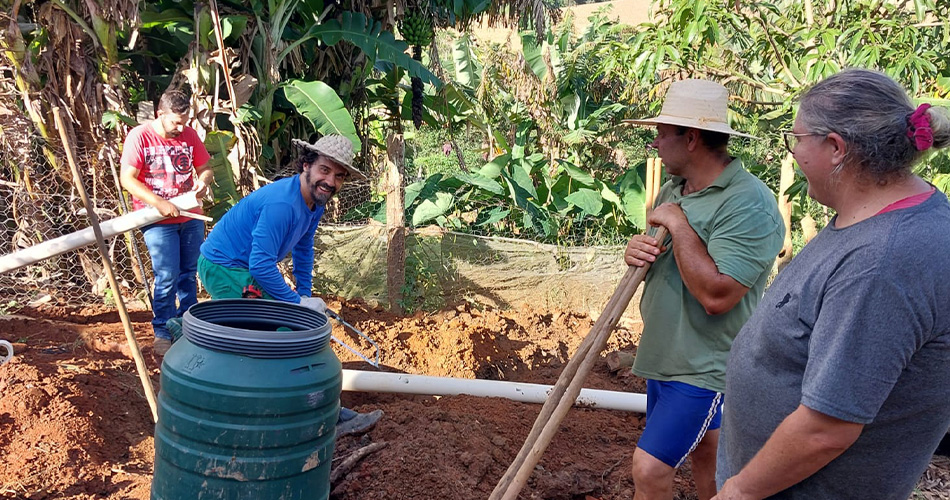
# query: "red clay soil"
(74, 422)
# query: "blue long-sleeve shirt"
(261, 230)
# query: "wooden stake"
(140, 274)
(809, 228)
(395, 222)
(107, 266)
(657, 178)
(569, 385)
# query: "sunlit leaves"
(323, 107)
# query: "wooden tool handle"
(569, 384)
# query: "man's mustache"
(326, 186)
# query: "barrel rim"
(310, 330)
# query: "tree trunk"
(395, 222)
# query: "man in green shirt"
(706, 278)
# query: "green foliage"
(770, 51)
(942, 182)
(112, 119)
(533, 57)
(467, 68)
(567, 205)
(11, 307)
(552, 114)
(422, 290)
(767, 53)
(323, 107)
(225, 192)
(554, 176)
(429, 151)
(457, 13)
(283, 43)
(368, 35)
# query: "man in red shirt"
(162, 159)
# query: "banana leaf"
(323, 107)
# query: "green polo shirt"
(737, 218)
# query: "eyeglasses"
(792, 139)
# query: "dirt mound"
(458, 447)
(72, 412)
(469, 342)
(75, 422)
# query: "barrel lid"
(257, 328)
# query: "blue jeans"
(174, 249)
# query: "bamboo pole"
(569, 385)
(648, 200)
(107, 266)
(223, 60)
(657, 178)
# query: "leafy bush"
(430, 152)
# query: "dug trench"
(74, 421)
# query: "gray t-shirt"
(857, 327)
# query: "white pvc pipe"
(401, 383)
(87, 236)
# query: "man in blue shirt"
(240, 256)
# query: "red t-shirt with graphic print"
(166, 165)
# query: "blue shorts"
(678, 416)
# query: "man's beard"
(319, 197)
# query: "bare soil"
(74, 422)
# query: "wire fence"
(77, 277)
(39, 202)
(433, 256)
(73, 278)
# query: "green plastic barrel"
(248, 405)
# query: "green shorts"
(226, 282)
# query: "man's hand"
(668, 215)
(203, 182)
(730, 491)
(167, 208)
(642, 250)
(202, 190)
(315, 303)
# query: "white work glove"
(315, 303)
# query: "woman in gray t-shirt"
(839, 384)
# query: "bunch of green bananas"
(416, 29)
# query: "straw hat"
(335, 147)
(700, 104)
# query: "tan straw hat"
(700, 104)
(337, 148)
